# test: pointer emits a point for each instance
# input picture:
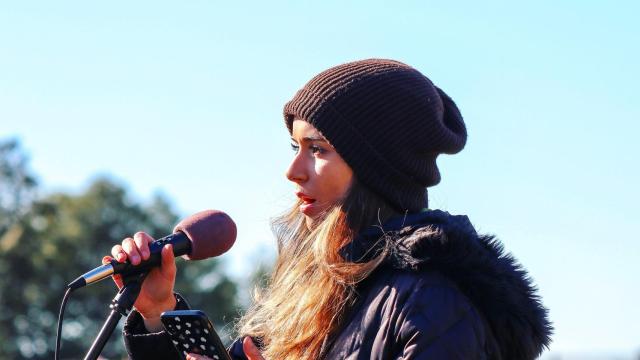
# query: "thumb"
(168, 268)
(250, 349)
(116, 278)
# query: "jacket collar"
(492, 279)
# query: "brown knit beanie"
(387, 121)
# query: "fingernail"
(120, 257)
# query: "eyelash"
(316, 149)
(313, 148)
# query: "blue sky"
(186, 98)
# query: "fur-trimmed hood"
(496, 284)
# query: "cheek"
(343, 183)
(335, 179)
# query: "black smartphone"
(192, 332)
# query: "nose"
(297, 171)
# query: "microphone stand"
(120, 306)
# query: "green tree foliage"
(61, 236)
(17, 185)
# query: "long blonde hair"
(312, 285)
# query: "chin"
(312, 222)
(309, 221)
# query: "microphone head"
(212, 233)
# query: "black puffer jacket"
(443, 292)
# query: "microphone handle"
(181, 246)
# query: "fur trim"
(491, 278)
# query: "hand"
(192, 356)
(249, 348)
(156, 294)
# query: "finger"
(131, 249)
(250, 349)
(168, 267)
(118, 253)
(142, 241)
(116, 278)
(192, 356)
(106, 259)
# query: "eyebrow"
(310, 139)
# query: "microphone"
(205, 234)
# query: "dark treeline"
(47, 241)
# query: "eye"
(315, 149)
(295, 147)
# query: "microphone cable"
(60, 317)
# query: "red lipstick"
(307, 207)
(305, 198)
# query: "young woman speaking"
(365, 270)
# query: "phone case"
(192, 332)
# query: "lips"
(308, 206)
(305, 198)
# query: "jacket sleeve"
(440, 323)
(142, 345)
(235, 350)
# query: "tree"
(63, 235)
(17, 187)
(17, 184)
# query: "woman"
(364, 269)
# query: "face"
(321, 176)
